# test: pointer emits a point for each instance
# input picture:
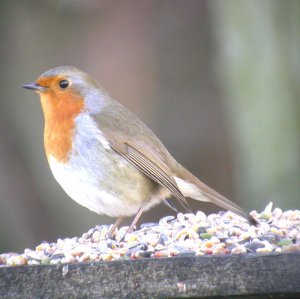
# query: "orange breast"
(60, 112)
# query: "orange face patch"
(60, 108)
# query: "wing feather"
(157, 171)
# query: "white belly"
(84, 188)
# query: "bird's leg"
(135, 220)
(170, 204)
(137, 217)
(114, 227)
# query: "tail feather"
(192, 187)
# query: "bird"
(105, 158)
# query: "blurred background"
(217, 81)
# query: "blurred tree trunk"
(259, 64)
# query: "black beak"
(34, 86)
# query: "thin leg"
(116, 224)
(137, 217)
(170, 204)
(135, 220)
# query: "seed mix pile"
(184, 235)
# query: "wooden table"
(244, 276)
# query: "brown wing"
(152, 167)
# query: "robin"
(105, 157)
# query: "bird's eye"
(63, 84)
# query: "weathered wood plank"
(249, 276)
